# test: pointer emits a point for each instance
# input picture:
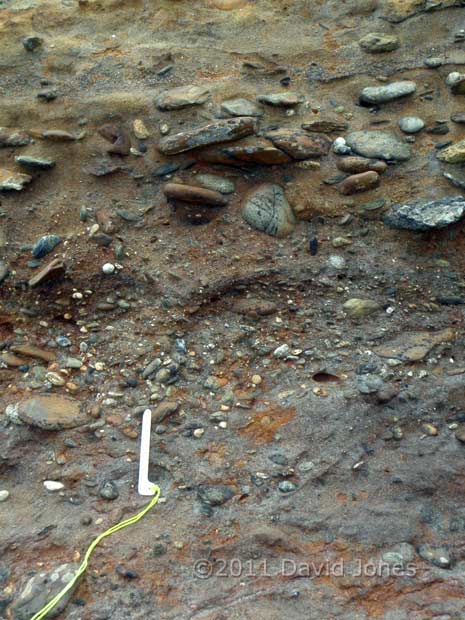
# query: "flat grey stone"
(387, 92)
(182, 97)
(378, 144)
(37, 163)
(241, 107)
(411, 124)
(378, 42)
(421, 215)
(266, 209)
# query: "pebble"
(37, 163)
(265, 208)
(13, 137)
(336, 261)
(456, 82)
(55, 379)
(182, 97)
(241, 107)
(32, 43)
(411, 124)
(4, 495)
(195, 195)
(458, 117)
(108, 490)
(32, 351)
(357, 308)
(108, 268)
(53, 485)
(378, 42)
(140, 130)
(426, 215)
(389, 92)
(212, 133)
(359, 183)
(433, 62)
(285, 486)
(281, 100)
(282, 351)
(325, 126)
(378, 144)
(45, 245)
(247, 151)
(214, 495)
(215, 183)
(340, 146)
(256, 379)
(369, 383)
(10, 180)
(52, 271)
(438, 556)
(58, 135)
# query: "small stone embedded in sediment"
(411, 124)
(359, 182)
(51, 413)
(59, 135)
(10, 180)
(357, 308)
(182, 97)
(266, 209)
(388, 92)
(45, 245)
(241, 107)
(215, 183)
(325, 126)
(378, 43)
(426, 215)
(453, 154)
(120, 143)
(378, 144)
(193, 194)
(356, 165)
(298, 144)
(13, 137)
(281, 100)
(53, 271)
(213, 133)
(36, 163)
(250, 151)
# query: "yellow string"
(83, 567)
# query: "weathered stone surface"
(254, 307)
(456, 82)
(196, 195)
(32, 351)
(387, 92)
(411, 124)
(325, 126)
(397, 11)
(10, 180)
(45, 245)
(215, 495)
(59, 135)
(421, 215)
(182, 97)
(120, 142)
(378, 144)
(241, 107)
(356, 165)
(41, 589)
(51, 413)
(215, 183)
(414, 346)
(299, 145)
(213, 133)
(53, 271)
(357, 308)
(281, 100)
(458, 117)
(141, 132)
(453, 154)
(378, 42)
(359, 182)
(266, 209)
(102, 167)
(13, 137)
(247, 151)
(37, 163)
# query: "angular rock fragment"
(359, 183)
(241, 107)
(298, 144)
(51, 413)
(10, 180)
(266, 209)
(121, 144)
(248, 151)
(53, 271)
(36, 163)
(213, 133)
(378, 43)
(254, 307)
(356, 165)
(214, 495)
(196, 195)
(378, 144)
(13, 137)
(182, 97)
(102, 168)
(140, 130)
(426, 215)
(281, 100)
(453, 154)
(45, 245)
(456, 82)
(325, 126)
(458, 117)
(388, 92)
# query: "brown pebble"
(355, 165)
(52, 271)
(359, 183)
(196, 195)
(32, 351)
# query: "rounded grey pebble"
(411, 124)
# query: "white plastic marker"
(145, 487)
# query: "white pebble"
(108, 268)
(53, 485)
(4, 495)
(282, 351)
(198, 432)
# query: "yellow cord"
(83, 567)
